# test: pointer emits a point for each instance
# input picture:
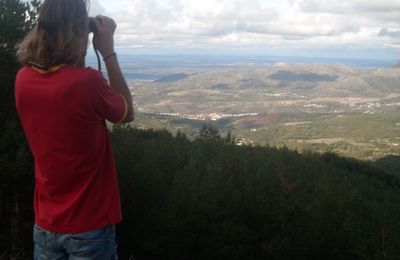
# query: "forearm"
(104, 42)
(118, 83)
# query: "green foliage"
(209, 199)
(206, 199)
(390, 164)
(16, 175)
(16, 19)
(209, 132)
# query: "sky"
(367, 29)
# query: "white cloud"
(251, 23)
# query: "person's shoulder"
(23, 72)
(23, 69)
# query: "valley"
(306, 106)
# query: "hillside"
(357, 135)
(397, 65)
(390, 164)
(209, 199)
(317, 107)
(172, 78)
(307, 88)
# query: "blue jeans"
(98, 244)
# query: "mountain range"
(286, 88)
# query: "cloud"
(350, 6)
(390, 32)
(240, 23)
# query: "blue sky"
(325, 28)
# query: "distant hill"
(292, 76)
(172, 78)
(296, 88)
(397, 65)
(320, 107)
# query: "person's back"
(75, 173)
(63, 110)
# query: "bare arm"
(104, 41)
(118, 83)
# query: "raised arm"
(104, 42)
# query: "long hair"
(60, 36)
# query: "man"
(63, 106)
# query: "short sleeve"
(109, 104)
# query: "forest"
(208, 198)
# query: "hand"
(103, 38)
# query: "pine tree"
(16, 173)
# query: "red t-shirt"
(63, 115)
